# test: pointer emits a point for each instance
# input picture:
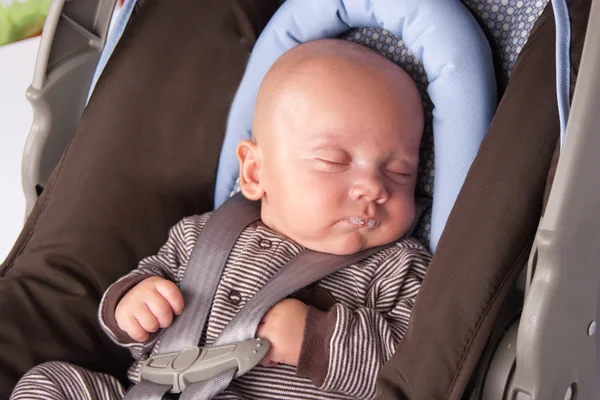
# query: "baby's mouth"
(366, 222)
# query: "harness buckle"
(197, 364)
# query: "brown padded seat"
(145, 155)
(489, 233)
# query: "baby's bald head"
(325, 65)
(334, 159)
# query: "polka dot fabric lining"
(509, 23)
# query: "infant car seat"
(91, 223)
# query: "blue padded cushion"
(441, 33)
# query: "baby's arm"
(149, 290)
(344, 348)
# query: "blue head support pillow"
(442, 34)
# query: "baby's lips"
(358, 221)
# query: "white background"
(17, 61)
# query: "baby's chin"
(345, 244)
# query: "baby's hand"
(283, 326)
(147, 306)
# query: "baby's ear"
(249, 158)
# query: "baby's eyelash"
(404, 174)
(333, 163)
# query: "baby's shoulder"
(411, 245)
(404, 252)
(390, 265)
(191, 226)
(408, 246)
(196, 219)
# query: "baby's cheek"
(402, 213)
(317, 193)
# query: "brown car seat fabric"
(144, 156)
(489, 233)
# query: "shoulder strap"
(200, 281)
(205, 268)
(307, 267)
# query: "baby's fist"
(148, 306)
(283, 326)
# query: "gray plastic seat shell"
(74, 35)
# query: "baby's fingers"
(160, 309)
(146, 319)
(135, 331)
(172, 295)
(267, 362)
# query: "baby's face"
(338, 157)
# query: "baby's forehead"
(326, 100)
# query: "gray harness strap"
(147, 391)
(201, 280)
(205, 267)
(307, 267)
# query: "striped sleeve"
(168, 263)
(364, 338)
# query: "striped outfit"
(355, 320)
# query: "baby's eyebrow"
(327, 139)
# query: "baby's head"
(335, 148)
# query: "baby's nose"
(369, 188)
